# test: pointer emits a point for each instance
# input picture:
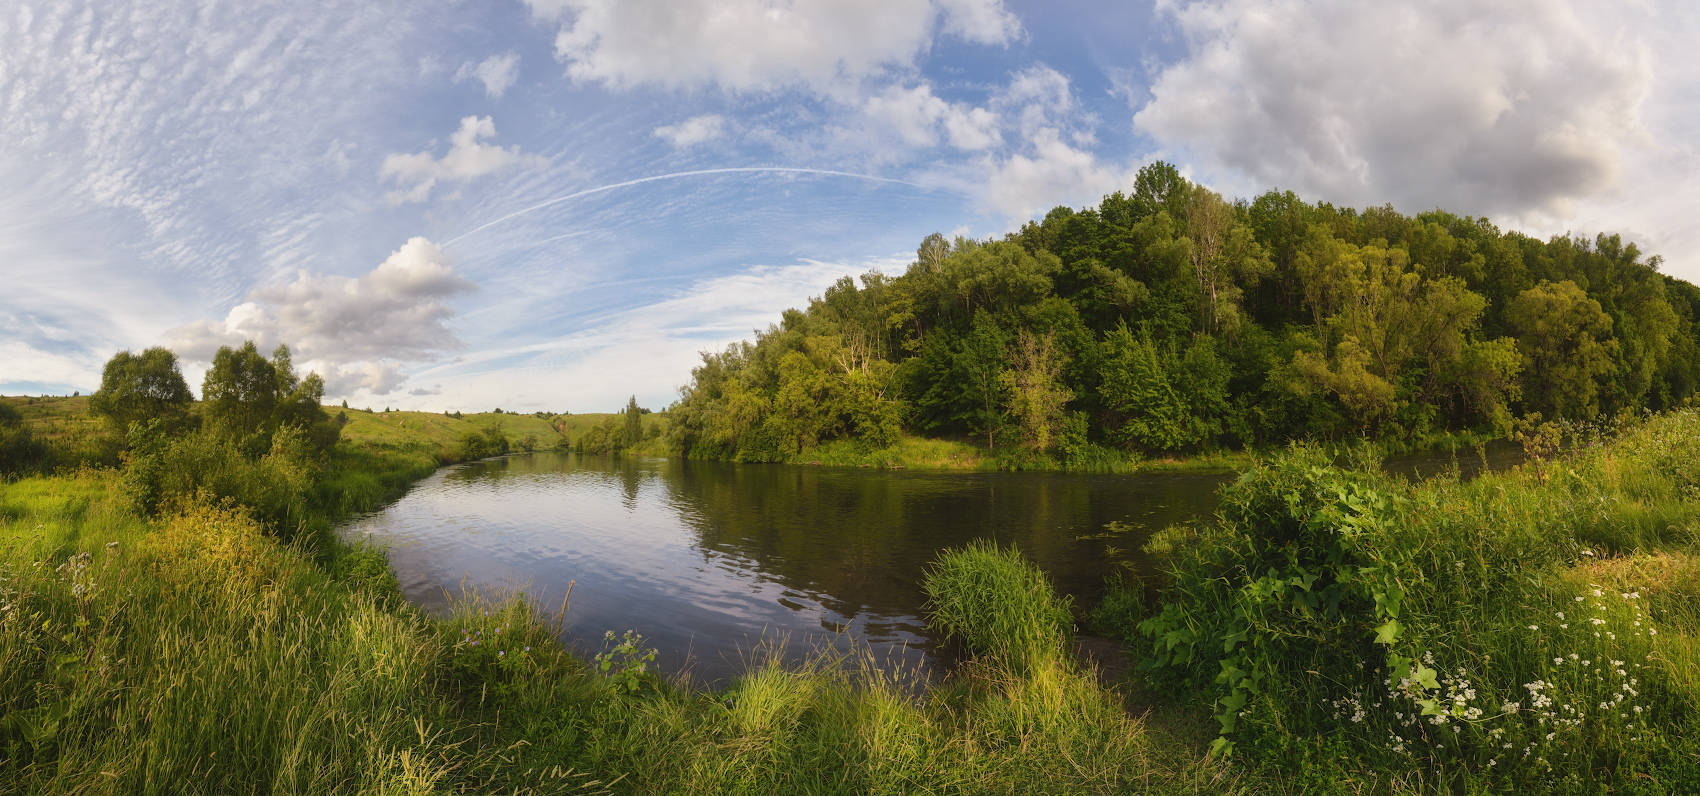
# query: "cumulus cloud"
(695, 130)
(920, 118)
(1048, 172)
(354, 332)
(759, 45)
(468, 158)
(1510, 106)
(497, 73)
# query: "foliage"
(625, 663)
(138, 388)
(484, 443)
(19, 449)
(1565, 341)
(1521, 631)
(249, 397)
(1182, 321)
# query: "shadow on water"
(707, 559)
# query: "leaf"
(1388, 632)
(1221, 746)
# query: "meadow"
(1333, 630)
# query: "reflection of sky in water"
(705, 559)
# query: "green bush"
(1451, 635)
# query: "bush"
(1455, 636)
(19, 450)
(165, 475)
(483, 444)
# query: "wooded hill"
(1171, 319)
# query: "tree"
(241, 389)
(1036, 393)
(247, 394)
(137, 388)
(1136, 387)
(979, 368)
(1565, 341)
(631, 426)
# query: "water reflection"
(704, 558)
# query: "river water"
(707, 560)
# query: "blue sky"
(553, 204)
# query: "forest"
(1173, 321)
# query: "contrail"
(674, 175)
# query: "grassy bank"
(1335, 631)
(1533, 631)
(194, 653)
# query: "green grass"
(196, 653)
(1277, 620)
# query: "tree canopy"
(140, 387)
(1173, 319)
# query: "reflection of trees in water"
(861, 540)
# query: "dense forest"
(1173, 320)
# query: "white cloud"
(980, 21)
(21, 362)
(353, 331)
(1503, 107)
(919, 117)
(692, 131)
(827, 46)
(648, 350)
(1048, 173)
(467, 159)
(497, 73)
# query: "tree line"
(1169, 319)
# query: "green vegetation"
(1170, 322)
(187, 622)
(196, 652)
(1531, 631)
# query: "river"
(707, 560)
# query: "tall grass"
(999, 606)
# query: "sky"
(552, 205)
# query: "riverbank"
(1535, 630)
(195, 652)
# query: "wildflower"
(1534, 627)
